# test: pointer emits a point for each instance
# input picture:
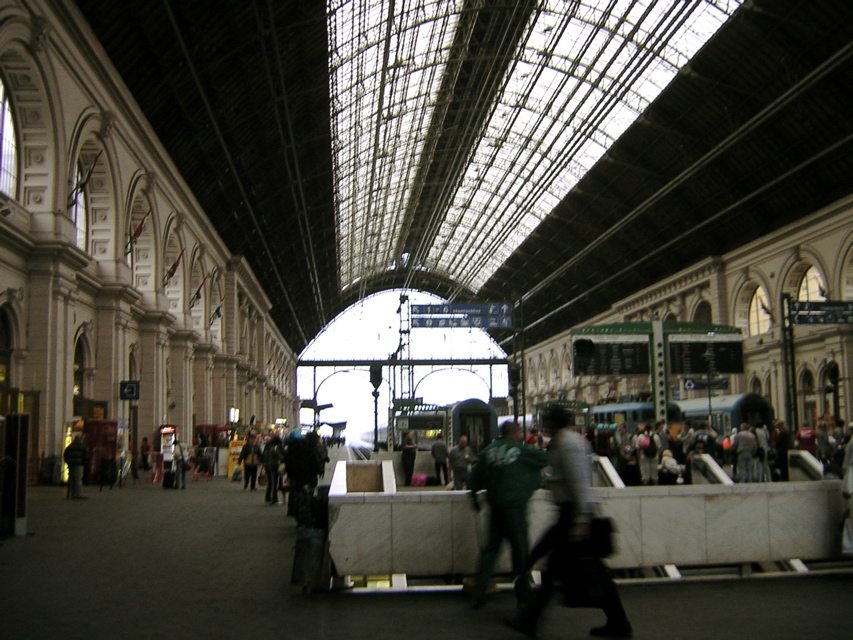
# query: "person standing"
(250, 458)
(439, 454)
(509, 471)
(460, 457)
(565, 541)
(647, 445)
(179, 458)
(745, 446)
(782, 445)
(144, 451)
(273, 456)
(806, 439)
(761, 471)
(76, 455)
(410, 453)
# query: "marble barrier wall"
(437, 533)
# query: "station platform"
(214, 561)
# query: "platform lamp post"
(376, 381)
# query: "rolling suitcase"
(168, 479)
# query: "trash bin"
(311, 562)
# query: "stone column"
(153, 354)
(180, 406)
(53, 321)
(203, 383)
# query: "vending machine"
(168, 435)
(101, 437)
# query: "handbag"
(600, 543)
(187, 466)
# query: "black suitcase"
(168, 479)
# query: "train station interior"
(645, 208)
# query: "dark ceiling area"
(755, 133)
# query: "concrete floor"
(215, 562)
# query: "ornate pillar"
(52, 322)
(180, 389)
(153, 355)
(203, 383)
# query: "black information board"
(691, 358)
(591, 358)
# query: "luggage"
(419, 480)
(169, 479)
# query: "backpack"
(651, 448)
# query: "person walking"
(76, 455)
(439, 454)
(509, 471)
(565, 543)
(250, 458)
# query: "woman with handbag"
(574, 557)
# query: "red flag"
(217, 313)
(72, 197)
(197, 294)
(129, 246)
(174, 268)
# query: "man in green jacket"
(510, 472)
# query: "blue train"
(606, 417)
(729, 411)
(476, 419)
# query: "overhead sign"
(450, 315)
(823, 312)
(129, 390)
(692, 357)
(610, 355)
(701, 384)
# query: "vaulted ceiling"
(558, 155)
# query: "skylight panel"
(581, 80)
(384, 76)
(583, 73)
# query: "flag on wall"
(132, 241)
(80, 186)
(217, 313)
(174, 268)
(197, 294)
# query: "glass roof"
(581, 74)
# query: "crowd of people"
(661, 454)
(289, 468)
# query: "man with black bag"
(574, 554)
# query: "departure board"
(593, 358)
(691, 358)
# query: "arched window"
(702, 312)
(812, 287)
(78, 390)
(760, 319)
(809, 398)
(755, 386)
(78, 207)
(8, 147)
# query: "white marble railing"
(436, 533)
